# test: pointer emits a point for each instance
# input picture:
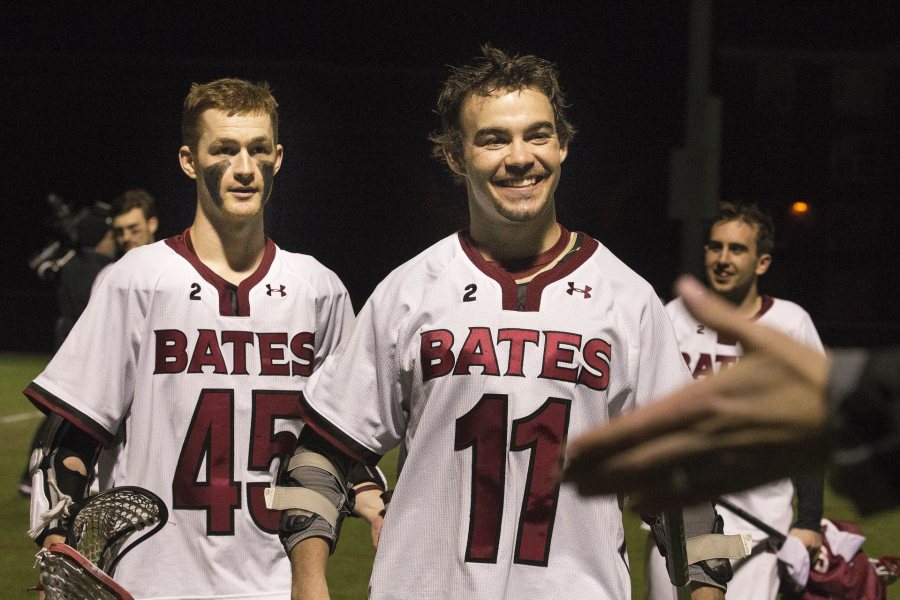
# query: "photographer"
(96, 250)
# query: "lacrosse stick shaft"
(677, 563)
(777, 537)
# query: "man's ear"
(153, 225)
(186, 160)
(763, 264)
(279, 156)
(453, 161)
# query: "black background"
(92, 93)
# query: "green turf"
(349, 568)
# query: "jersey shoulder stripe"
(335, 436)
(48, 402)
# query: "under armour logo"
(586, 292)
(279, 290)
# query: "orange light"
(799, 208)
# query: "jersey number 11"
(543, 432)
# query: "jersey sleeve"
(335, 319)
(660, 366)
(354, 399)
(90, 380)
(806, 333)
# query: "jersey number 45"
(209, 445)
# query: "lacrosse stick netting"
(96, 542)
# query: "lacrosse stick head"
(66, 574)
(104, 530)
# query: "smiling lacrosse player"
(480, 357)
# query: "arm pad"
(57, 490)
(699, 520)
(312, 492)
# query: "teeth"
(516, 183)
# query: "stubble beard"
(736, 294)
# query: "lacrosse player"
(738, 253)
(479, 357)
(203, 341)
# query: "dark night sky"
(91, 106)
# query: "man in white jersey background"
(738, 252)
(200, 344)
(479, 357)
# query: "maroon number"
(543, 433)
(211, 436)
(484, 429)
(210, 441)
(266, 446)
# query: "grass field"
(349, 568)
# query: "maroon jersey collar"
(765, 305)
(182, 245)
(536, 286)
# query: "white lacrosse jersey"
(482, 385)
(209, 376)
(705, 353)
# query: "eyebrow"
(257, 140)
(503, 131)
(736, 245)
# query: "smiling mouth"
(521, 182)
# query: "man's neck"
(232, 250)
(748, 306)
(515, 241)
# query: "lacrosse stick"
(678, 558)
(82, 568)
(777, 538)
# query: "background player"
(800, 400)
(480, 356)
(203, 341)
(134, 220)
(738, 253)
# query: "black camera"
(47, 262)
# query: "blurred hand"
(811, 539)
(758, 421)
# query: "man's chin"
(522, 212)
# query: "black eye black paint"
(267, 168)
(213, 174)
(212, 177)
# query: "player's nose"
(519, 155)
(242, 163)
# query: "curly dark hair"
(495, 71)
(230, 95)
(751, 214)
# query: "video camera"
(47, 262)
